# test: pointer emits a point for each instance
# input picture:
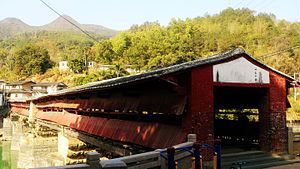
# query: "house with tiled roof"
(22, 90)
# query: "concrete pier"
(38, 145)
(23, 147)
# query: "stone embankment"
(77, 152)
(39, 146)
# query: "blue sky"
(121, 14)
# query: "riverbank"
(29, 145)
(23, 148)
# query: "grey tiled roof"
(162, 72)
(49, 84)
(19, 83)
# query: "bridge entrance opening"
(237, 116)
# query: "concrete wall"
(63, 145)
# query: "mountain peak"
(12, 26)
(12, 20)
(66, 17)
(61, 23)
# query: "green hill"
(12, 26)
(151, 46)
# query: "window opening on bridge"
(132, 115)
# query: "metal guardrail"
(153, 159)
(196, 159)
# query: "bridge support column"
(63, 146)
(32, 111)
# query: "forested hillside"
(151, 46)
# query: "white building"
(63, 65)
(23, 90)
(47, 87)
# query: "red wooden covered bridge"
(159, 108)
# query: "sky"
(122, 14)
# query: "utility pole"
(295, 90)
(85, 60)
(295, 84)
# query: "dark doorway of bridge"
(237, 112)
(238, 127)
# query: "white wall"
(240, 71)
(51, 89)
(16, 96)
(63, 65)
(63, 145)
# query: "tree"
(3, 57)
(118, 70)
(76, 65)
(81, 80)
(104, 52)
(31, 59)
(50, 46)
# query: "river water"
(9, 159)
(21, 148)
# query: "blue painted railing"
(196, 153)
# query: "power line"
(83, 31)
(267, 5)
(259, 3)
(247, 5)
(279, 52)
(239, 3)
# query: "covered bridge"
(159, 108)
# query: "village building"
(3, 101)
(20, 90)
(43, 88)
(26, 85)
(63, 65)
(23, 90)
(2, 85)
(230, 96)
(90, 64)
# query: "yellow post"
(201, 165)
(176, 165)
(193, 163)
(215, 161)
